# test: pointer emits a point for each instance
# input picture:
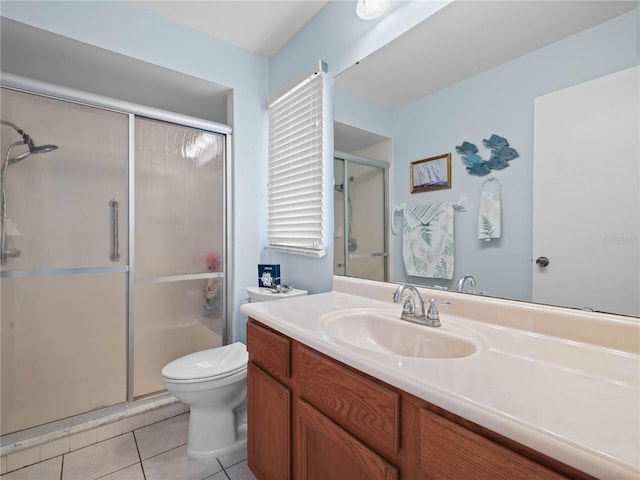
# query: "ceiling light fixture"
(370, 9)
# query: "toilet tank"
(262, 294)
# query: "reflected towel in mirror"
(489, 216)
(427, 240)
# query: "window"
(295, 192)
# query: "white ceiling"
(261, 27)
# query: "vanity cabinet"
(311, 417)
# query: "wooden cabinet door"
(326, 451)
(268, 426)
(451, 452)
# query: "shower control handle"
(115, 255)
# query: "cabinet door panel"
(268, 426)
(329, 452)
(449, 451)
(367, 409)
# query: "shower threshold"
(106, 420)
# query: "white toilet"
(214, 384)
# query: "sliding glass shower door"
(63, 287)
(179, 249)
(113, 229)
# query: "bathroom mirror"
(538, 49)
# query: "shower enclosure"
(360, 219)
(113, 248)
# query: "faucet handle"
(407, 306)
(432, 313)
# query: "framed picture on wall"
(431, 174)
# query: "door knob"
(542, 261)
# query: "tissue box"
(268, 275)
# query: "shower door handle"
(115, 254)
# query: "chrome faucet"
(413, 307)
(463, 280)
(411, 300)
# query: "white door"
(586, 209)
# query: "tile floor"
(154, 452)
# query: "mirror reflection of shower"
(31, 149)
(360, 203)
(352, 242)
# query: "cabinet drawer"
(449, 451)
(365, 408)
(269, 350)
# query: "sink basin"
(381, 330)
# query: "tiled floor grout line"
(223, 471)
(119, 470)
(135, 440)
(162, 453)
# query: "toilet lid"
(210, 363)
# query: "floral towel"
(489, 216)
(427, 240)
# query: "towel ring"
(492, 178)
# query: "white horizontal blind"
(295, 202)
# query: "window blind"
(295, 197)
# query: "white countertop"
(574, 401)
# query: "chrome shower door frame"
(30, 86)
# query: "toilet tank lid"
(208, 363)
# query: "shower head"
(37, 149)
(32, 151)
(28, 141)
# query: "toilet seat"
(214, 363)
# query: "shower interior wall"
(70, 340)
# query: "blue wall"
(499, 101)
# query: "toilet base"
(214, 433)
(240, 444)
